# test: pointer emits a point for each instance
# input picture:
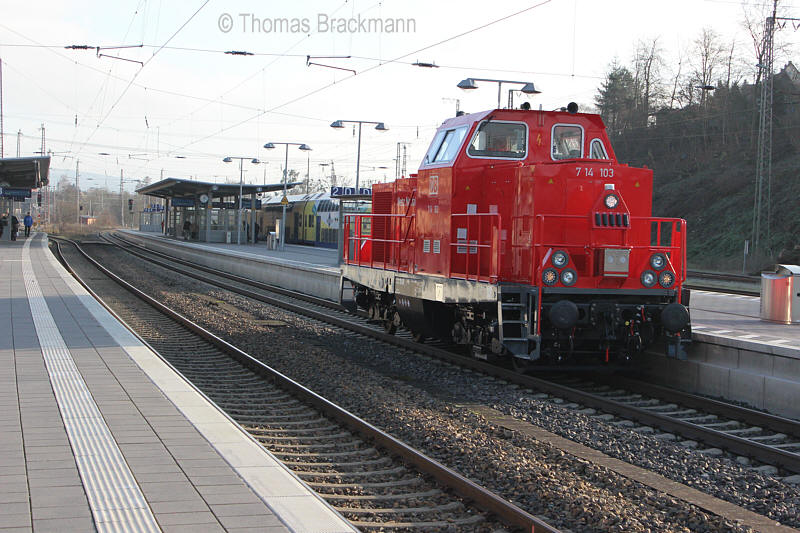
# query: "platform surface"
(738, 316)
(293, 254)
(100, 434)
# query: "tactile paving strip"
(115, 498)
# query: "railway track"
(764, 438)
(746, 285)
(720, 276)
(374, 480)
(767, 438)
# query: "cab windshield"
(502, 140)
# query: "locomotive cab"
(522, 236)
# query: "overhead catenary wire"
(138, 72)
(408, 54)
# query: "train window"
(450, 145)
(445, 145)
(437, 141)
(567, 141)
(597, 149)
(501, 140)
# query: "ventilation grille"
(612, 220)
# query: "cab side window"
(445, 146)
(567, 142)
(597, 150)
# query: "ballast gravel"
(427, 404)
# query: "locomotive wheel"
(374, 312)
(391, 324)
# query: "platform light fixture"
(270, 146)
(527, 86)
(254, 161)
(380, 126)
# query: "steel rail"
(722, 290)
(738, 445)
(709, 405)
(467, 489)
(722, 276)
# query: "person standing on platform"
(28, 222)
(258, 230)
(14, 227)
(3, 223)
(187, 226)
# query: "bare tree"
(648, 85)
(708, 59)
(675, 95)
(755, 14)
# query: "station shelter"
(211, 209)
(18, 177)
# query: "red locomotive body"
(521, 235)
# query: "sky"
(178, 105)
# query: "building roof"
(180, 188)
(24, 172)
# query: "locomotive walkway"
(99, 434)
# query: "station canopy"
(180, 188)
(24, 172)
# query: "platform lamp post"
(527, 86)
(378, 126)
(241, 185)
(284, 201)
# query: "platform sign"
(351, 191)
(16, 194)
(246, 203)
(284, 201)
(183, 202)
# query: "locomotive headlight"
(611, 201)
(649, 278)
(658, 261)
(666, 279)
(569, 277)
(550, 276)
(560, 259)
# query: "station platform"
(305, 269)
(100, 434)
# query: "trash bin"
(227, 237)
(272, 241)
(780, 294)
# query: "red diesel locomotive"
(522, 237)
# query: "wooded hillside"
(699, 134)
